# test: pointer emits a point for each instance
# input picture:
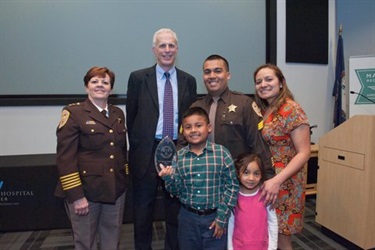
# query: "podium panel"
(346, 181)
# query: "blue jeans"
(194, 232)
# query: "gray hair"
(163, 30)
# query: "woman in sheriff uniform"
(92, 164)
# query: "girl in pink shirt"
(252, 225)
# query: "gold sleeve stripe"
(72, 185)
(260, 125)
(126, 169)
(69, 176)
(70, 181)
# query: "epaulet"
(234, 92)
(65, 114)
(74, 104)
(201, 97)
(114, 106)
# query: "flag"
(339, 115)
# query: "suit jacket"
(91, 153)
(142, 113)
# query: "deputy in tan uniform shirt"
(237, 119)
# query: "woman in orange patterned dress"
(286, 131)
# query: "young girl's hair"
(244, 160)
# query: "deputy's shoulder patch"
(64, 118)
(256, 109)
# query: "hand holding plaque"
(165, 154)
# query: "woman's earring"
(281, 86)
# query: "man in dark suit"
(145, 113)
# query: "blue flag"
(339, 116)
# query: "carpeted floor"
(310, 239)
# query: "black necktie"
(104, 112)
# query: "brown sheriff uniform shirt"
(91, 153)
(238, 125)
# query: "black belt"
(199, 212)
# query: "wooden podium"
(346, 181)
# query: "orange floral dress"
(290, 204)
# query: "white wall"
(29, 130)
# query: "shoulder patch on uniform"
(64, 118)
(256, 109)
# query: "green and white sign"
(361, 85)
(366, 78)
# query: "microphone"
(353, 92)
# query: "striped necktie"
(168, 108)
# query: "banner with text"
(362, 85)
